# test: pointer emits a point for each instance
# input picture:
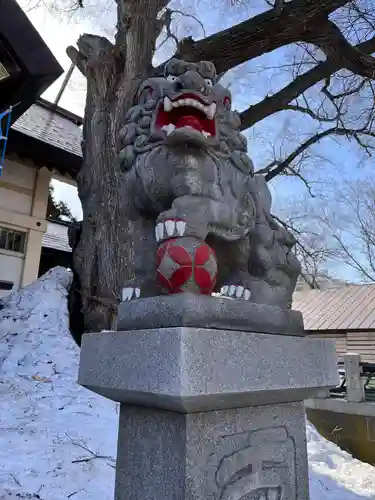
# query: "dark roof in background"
(56, 237)
(37, 67)
(50, 136)
(349, 308)
(53, 126)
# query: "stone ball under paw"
(186, 264)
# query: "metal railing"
(367, 379)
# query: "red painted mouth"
(186, 111)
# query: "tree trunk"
(103, 252)
(102, 255)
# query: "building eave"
(38, 68)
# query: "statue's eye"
(208, 82)
(172, 78)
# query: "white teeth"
(235, 291)
(167, 104)
(170, 227)
(130, 293)
(181, 226)
(208, 110)
(159, 232)
(211, 110)
(168, 128)
(127, 294)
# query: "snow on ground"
(58, 440)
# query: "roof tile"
(50, 127)
(349, 308)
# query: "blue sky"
(333, 162)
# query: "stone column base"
(209, 414)
(254, 453)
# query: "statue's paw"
(169, 228)
(235, 292)
(130, 293)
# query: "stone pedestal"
(251, 453)
(209, 413)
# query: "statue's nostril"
(179, 85)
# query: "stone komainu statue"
(187, 174)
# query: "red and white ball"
(186, 264)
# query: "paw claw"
(238, 292)
(129, 293)
(159, 231)
(169, 228)
(181, 227)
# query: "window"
(6, 285)
(3, 72)
(12, 240)
(8, 65)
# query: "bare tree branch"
(300, 84)
(251, 38)
(277, 168)
(295, 173)
(310, 112)
(332, 42)
(166, 22)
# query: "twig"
(87, 459)
(15, 479)
(74, 493)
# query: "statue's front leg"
(188, 216)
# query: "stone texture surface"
(249, 453)
(355, 388)
(208, 312)
(196, 369)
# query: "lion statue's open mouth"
(187, 111)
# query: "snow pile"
(50, 428)
(334, 473)
(58, 440)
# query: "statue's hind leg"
(234, 279)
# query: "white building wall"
(23, 202)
